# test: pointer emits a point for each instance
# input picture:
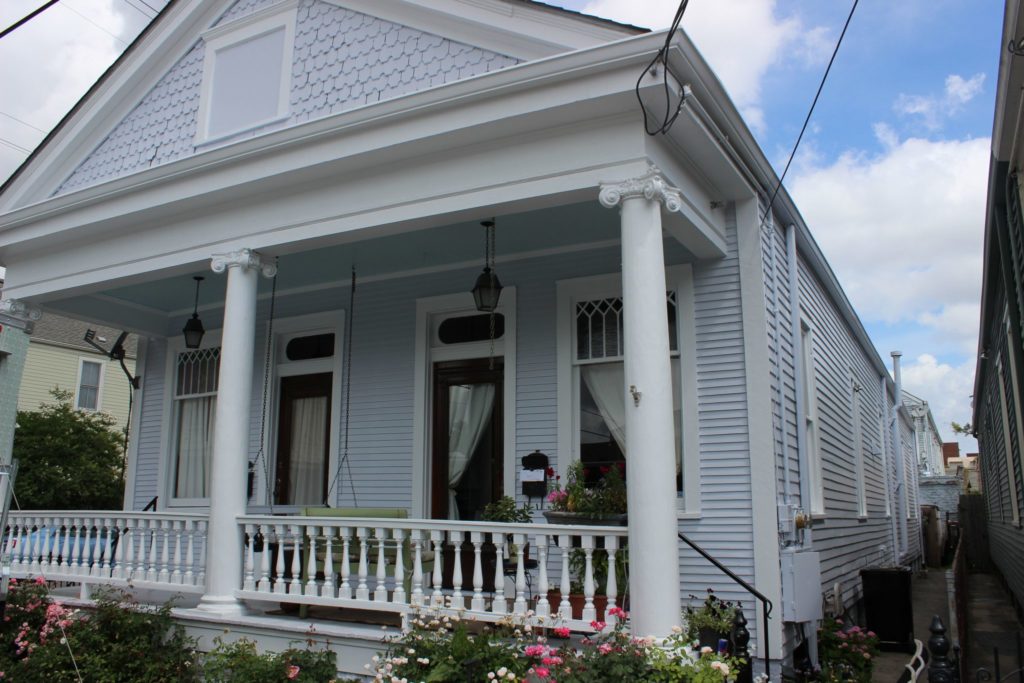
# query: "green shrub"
(239, 662)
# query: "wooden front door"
(303, 440)
(467, 461)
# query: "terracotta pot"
(576, 603)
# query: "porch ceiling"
(452, 245)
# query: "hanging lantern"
(487, 290)
(193, 329)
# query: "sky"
(890, 176)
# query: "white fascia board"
(517, 30)
(117, 93)
(508, 93)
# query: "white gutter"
(882, 413)
(780, 389)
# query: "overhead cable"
(28, 17)
(662, 56)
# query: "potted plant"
(503, 510)
(583, 502)
(711, 621)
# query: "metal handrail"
(766, 604)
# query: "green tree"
(68, 459)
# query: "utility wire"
(810, 111)
(143, 2)
(28, 17)
(662, 56)
(14, 146)
(22, 122)
(138, 9)
(65, 5)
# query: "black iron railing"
(766, 604)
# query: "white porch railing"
(164, 551)
(396, 565)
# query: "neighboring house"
(58, 357)
(332, 161)
(998, 398)
(926, 436)
(965, 467)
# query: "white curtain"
(307, 450)
(606, 384)
(469, 411)
(195, 446)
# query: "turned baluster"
(328, 587)
(436, 596)
(498, 605)
(249, 582)
(311, 587)
(399, 593)
(589, 612)
(190, 553)
(611, 546)
(164, 574)
(118, 565)
(263, 586)
(75, 556)
(295, 585)
(519, 542)
(279, 582)
(177, 528)
(151, 559)
(362, 589)
(543, 607)
(564, 608)
(416, 599)
(380, 591)
(458, 600)
(345, 589)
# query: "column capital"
(23, 313)
(243, 258)
(650, 186)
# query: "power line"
(65, 5)
(138, 9)
(155, 10)
(24, 123)
(662, 56)
(810, 111)
(28, 17)
(14, 146)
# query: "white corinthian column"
(231, 431)
(650, 432)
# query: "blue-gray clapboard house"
(998, 396)
(328, 167)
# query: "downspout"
(901, 469)
(798, 379)
(787, 497)
(882, 417)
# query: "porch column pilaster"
(650, 433)
(17, 318)
(231, 430)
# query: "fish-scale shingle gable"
(341, 59)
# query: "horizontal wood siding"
(148, 432)
(1006, 539)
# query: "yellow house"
(58, 356)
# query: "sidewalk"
(929, 598)
(991, 623)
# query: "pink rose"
(293, 672)
(598, 625)
(562, 632)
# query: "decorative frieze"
(243, 258)
(649, 186)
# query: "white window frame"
(168, 473)
(274, 18)
(429, 311)
(285, 329)
(82, 360)
(810, 401)
(678, 279)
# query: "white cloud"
(903, 230)
(58, 56)
(934, 109)
(741, 40)
(947, 389)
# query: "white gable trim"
(512, 29)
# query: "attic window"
(247, 73)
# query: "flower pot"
(585, 518)
(709, 637)
(576, 603)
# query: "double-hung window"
(195, 405)
(88, 393)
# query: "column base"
(226, 605)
